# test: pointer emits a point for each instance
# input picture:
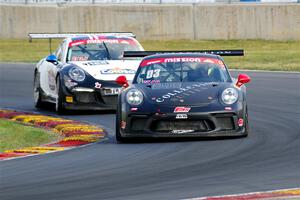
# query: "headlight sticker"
(117, 71)
(98, 85)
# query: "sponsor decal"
(151, 81)
(182, 91)
(208, 61)
(112, 91)
(182, 109)
(96, 62)
(181, 59)
(117, 71)
(181, 116)
(98, 85)
(124, 42)
(181, 131)
(100, 40)
(79, 58)
(167, 86)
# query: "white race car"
(81, 73)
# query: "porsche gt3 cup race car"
(186, 94)
(81, 73)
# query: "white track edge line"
(244, 194)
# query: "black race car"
(182, 94)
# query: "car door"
(52, 70)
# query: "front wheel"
(59, 103)
(119, 137)
(246, 123)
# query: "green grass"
(14, 136)
(260, 54)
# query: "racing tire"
(119, 137)
(59, 102)
(246, 124)
(37, 92)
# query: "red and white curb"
(293, 193)
(74, 133)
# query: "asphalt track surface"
(268, 159)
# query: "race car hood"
(187, 93)
(109, 70)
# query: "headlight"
(230, 96)
(134, 97)
(77, 74)
(69, 82)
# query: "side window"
(59, 53)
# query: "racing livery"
(81, 73)
(182, 95)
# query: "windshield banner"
(181, 59)
(106, 40)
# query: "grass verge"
(260, 54)
(15, 136)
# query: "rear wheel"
(59, 102)
(37, 91)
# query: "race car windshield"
(163, 72)
(100, 51)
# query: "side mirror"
(242, 79)
(122, 80)
(52, 58)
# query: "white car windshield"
(100, 50)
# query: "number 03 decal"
(153, 73)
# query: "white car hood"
(109, 70)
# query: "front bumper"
(90, 99)
(216, 124)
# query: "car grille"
(138, 124)
(220, 122)
(195, 125)
(95, 97)
(225, 123)
(85, 97)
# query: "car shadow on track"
(50, 109)
(180, 139)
